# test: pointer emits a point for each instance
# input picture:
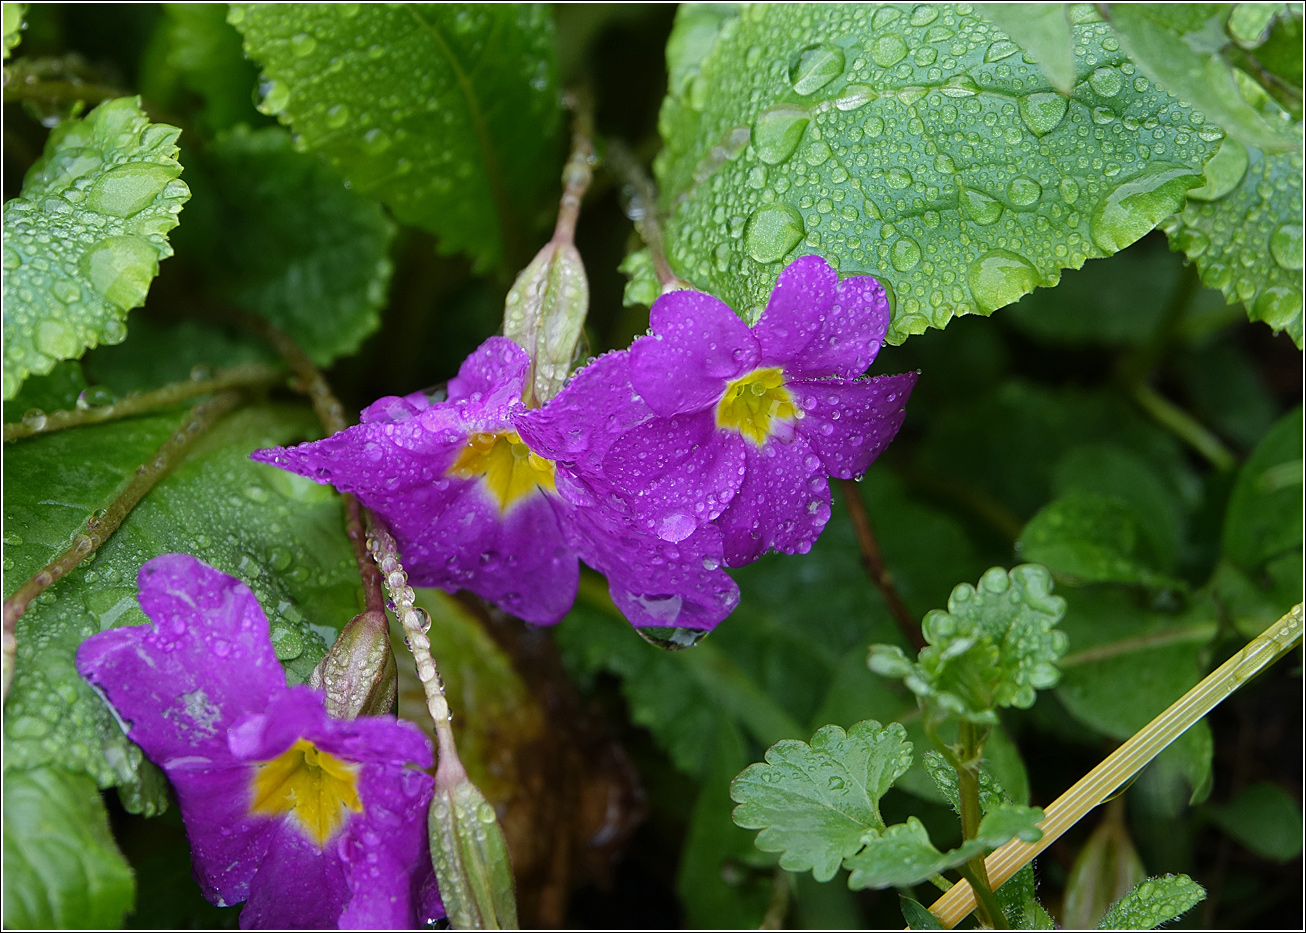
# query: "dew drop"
(128, 189)
(773, 231)
(337, 116)
(778, 131)
(302, 45)
(1223, 173)
(1286, 246)
(57, 339)
(1106, 82)
(1135, 207)
(905, 254)
(121, 268)
(998, 278)
(888, 50)
(815, 67)
(1042, 112)
(979, 207)
(1023, 191)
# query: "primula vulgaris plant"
(229, 226)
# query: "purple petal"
(203, 663)
(395, 408)
(799, 302)
(592, 411)
(698, 346)
(783, 503)
(494, 374)
(298, 886)
(850, 422)
(676, 473)
(850, 334)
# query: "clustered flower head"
(703, 446)
(316, 822)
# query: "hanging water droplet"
(1138, 205)
(998, 278)
(1223, 173)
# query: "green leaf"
(1249, 23)
(642, 288)
(912, 143)
(464, 146)
(84, 239)
(1089, 538)
(1179, 47)
(1265, 819)
(944, 776)
(61, 867)
(1019, 900)
(281, 534)
(903, 854)
(56, 390)
(1044, 30)
(995, 646)
(1105, 870)
(200, 53)
(13, 14)
(917, 915)
(1152, 903)
(814, 802)
(279, 235)
(1264, 515)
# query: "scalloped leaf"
(463, 146)
(814, 803)
(1152, 903)
(83, 241)
(914, 143)
(995, 646)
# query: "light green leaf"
(814, 802)
(642, 288)
(1044, 30)
(1243, 229)
(995, 646)
(13, 14)
(1264, 515)
(944, 776)
(1089, 538)
(1178, 46)
(84, 239)
(463, 146)
(913, 143)
(1152, 903)
(281, 236)
(280, 534)
(62, 869)
(1265, 819)
(903, 854)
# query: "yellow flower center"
(509, 468)
(753, 403)
(312, 786)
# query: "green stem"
(1184, 426)
(641, 208)
(1126, 761)
(247, 375)
(873, 563)
(971, 743)
(990, 911)
(1171, 636)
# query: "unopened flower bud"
(545, 314)
(358, 673)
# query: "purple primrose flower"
(743, 425)
(474, 506)
(316, 822)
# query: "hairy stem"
(1126, 761)
(102, 524)
(968, 805)
(874, 564)
(641, 208)
(246, 375)
(579, 170)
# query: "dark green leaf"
(1044, 30)
(1264, 516)
(1265, 819)
(1089, 538)
(1105, 870)
(281, 534)
(447, 113)
(159, 353)
(83, 241)
(903, 854)
(61, 867)
(56, 390)
(994, 646)
(917, 916)
(281, 236)
(1154, 902)
(814, 802)
(913, 143)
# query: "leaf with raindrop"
(83, 241)
(914, 143)
(1152, 903)
(280, 534)
(280, 236)
(447, 113)
(815, 802)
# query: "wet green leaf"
(1089, 538)
(446, 112)
(280, 534)
(1264, 516)
(13, 26)
(994, 646)
(281, 236)
(1105, 870)
(903, 854)
(1044, 30)
(814, 802)
(62, 869)
(917, 915)
(84, 239)
(913, 143)
(1152, 903)
(944, 776)
(1265, 819)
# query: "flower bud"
(545, 314)
(358, 673)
